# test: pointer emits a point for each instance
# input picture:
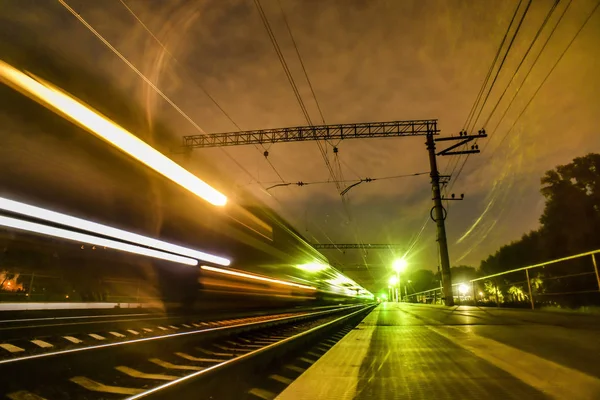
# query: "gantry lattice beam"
(317, 132)
(348, 246)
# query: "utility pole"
(440, 217)
(438, 208)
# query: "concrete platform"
(419, 352)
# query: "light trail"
(104, 230)
(62, 103)
(255, 277)
(81, 237)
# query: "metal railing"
(567, 281)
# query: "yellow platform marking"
(162, 328)
(73, 339)
(99, 387)
(142, 375)
(186, 325)
(147, 329)
(117, 334)
(133, 332)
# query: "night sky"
(368, 61)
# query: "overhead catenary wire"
(547, 76)
(483, 86)
(302, 183)
(292, 82)
(491, 69)
(533, 41)
(312, 90)
(340, 174)
(290, 79)
(512, 41)
(458, 174)
(289, 30)
(495, 129)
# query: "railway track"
(168, 365)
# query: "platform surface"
(402, 351)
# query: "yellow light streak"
(62, 103)
(255, 277)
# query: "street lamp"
(399, 265)
(462, 290)
(393, 281)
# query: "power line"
(491, 88)
(301, 62)
(528, 72)
(291, 81)
(548, 15)
(512, 40)
(484, 85)
(289, 76)
(302, 183)
(487, 77)
(321, 150)
(282, 61)
(547, 75)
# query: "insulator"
(335, 149)
(266, 153)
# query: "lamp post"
(399, 265)
(393, 283)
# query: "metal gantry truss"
(316, 132)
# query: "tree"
(571, 218)
(423, 279)
(570, 223)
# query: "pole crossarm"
(349, 246)
(316, 132)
